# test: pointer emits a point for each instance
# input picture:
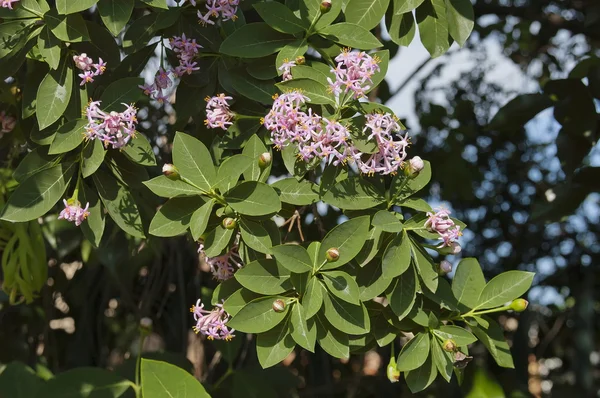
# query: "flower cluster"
(186, 50)
(213, 323)
(353, 72)
(112, 128)
(226, 9)
(8, 3)
(224, 266)
(441, 223)
(85, 63)
(218, 114)
(7, 123)
(286, 69)
(74, 212)
(383, 128)
(162, 81)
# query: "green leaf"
(71, 7)
(274, 345)
(346, 317)
(68, 137)
(139, 151)
(173, 218)
(461, 19)
(384, 60)
(404, 6)
(303, 71)
(503, 288)
(93, 156)
(296, 192)
(35, 161)
(253, 149)
(414, 353)
(334, 342)
(348, 237)
(315, 91)
(93, 226)
(443, 296)
(366, 13)
(168, 188)
(95, 382)
(264, 276)
(461, 337)
(256, 236)
(422, 377)
(342, 285)
(352, 35)
(236, 301)
(157, 3)
(254, 89)
(262, 68)
(115, 14)
(143, 29)
(468, 282)
(518, 111)
(425, 267)
(38, 194)
(217, 240)
(161, 380)
(402, 29)
(280, 17)
(300, 332)
(290, 52)
(258, 315)
(397, 255)
(54, 94)
(69, 28)
(254, 40)
(199, 220)
(443, 360)
(371, 248)
(312, 300)
(433, 26)
(413, 186)
(403, 293)
(386, 221)
(120, 204)
(371, 282)
(193, 160)
(253, 198)
(293, 257)
(353, 193)
(492, 338)
(230, 171)
(122, 91)
(18, 380)
(49, 47)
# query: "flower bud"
(393, 374)
(300, 60)
(278, 305)
(229, 223)
(519, 305)
(146, 325)
(332, 255)
(264, 160)
(449, 345)
(414, 167)
(326, 6)
(445, 267)
(170, 171)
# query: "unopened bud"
(332, 255)
(264, 160)
(393, 374)
(300, 60)
(445, 267)
(229, 223)
(146, 325)
(170, 171)
(414, 167)
(278, 305)
(449, 345)
(519, 305)
(326, 6)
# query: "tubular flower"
(286, 68)
(441, 223)
(162, 81)
(186, 50)
(85, 64)
(74, 212)
(212, 323)
(353, 73)
(7, 3)
(225, 9)
(7, 123)
(383, 129)
(218, 114)
(224, 266)
(112, 128)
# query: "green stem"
(393, 199)
(218, 383)
(240, 117)
(138, 364)
(320, 266)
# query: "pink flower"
(74, 212)
(162, 79)
(85, 63)
(224, 266)
(186, 50)
(86, 77)
(213, 323)
(111, 128)
(82, 61)
(7, 123)
(286, 67)
(148, 89)
(226, 9)
(8, 3)
(218, 114)
(448, 231)
(353, 73)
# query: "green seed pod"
(519, 305)
(325, 6)
(264, 160)
(332, 255)
(278, 305)
(229, 223)
(170, 171)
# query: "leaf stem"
(138, 363)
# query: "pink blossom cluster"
(7, 123)
(226, 9)
(383, 129)
(224, 266)
(218, 114)
(313, 135)
(162, 81)
(213, 323)
(112, 128)
(441, 223)
(186, 50)
(353, 72)
(8, 3)
(85, 63)
(74, 212)
(286, 69)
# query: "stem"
(320, 266)
(222, 378)
(138, 363)
(393, 199)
